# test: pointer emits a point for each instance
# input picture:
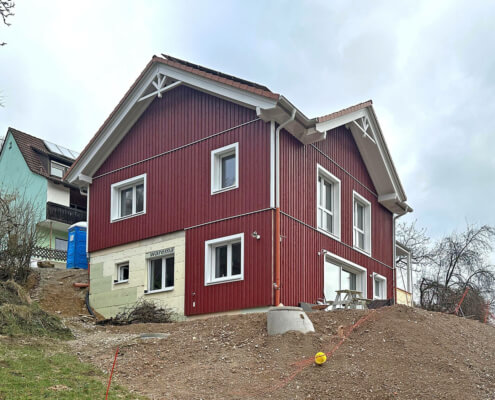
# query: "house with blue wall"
(34, 168)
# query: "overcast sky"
(429, 68)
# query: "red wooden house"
(210, 194)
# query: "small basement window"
(379, 287)
(224, 259)
(161, 274)
(225, 168)
(122, 273)
(128, 198)
(57, 170)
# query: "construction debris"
(143, 311)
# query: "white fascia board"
(94, 157)
(218, 89)
(370, 150)
(132, 109)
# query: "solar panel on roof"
(57, 149)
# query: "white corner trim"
(336, 192)
(215, 170)
(209, 245)
(272, 164)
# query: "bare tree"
(450, 265)
(19, 235)
(6, 11)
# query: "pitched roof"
(36, 154)
(345, 111)
(216, 76)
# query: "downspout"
(396, 217)
(276, 285)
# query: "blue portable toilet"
(76, 249)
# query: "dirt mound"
(19, 316)
(56, 293)
(395, 353)
(12, 293)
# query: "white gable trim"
(139, 100)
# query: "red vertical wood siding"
(302, 268)
(178, 183)
(256, 288)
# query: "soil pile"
(56, 293)
(395, 353)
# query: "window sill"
(120, 282)
(333, 236)
(367, 253)
(160, 291)
(224, 280)
(127, 217)
(218, 191)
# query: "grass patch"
(31, 320)
(41, 370)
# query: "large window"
(328, 202)
(362, 223)
(343, 275)
(379, 287)
(224, 259)
(225, 168)
(161, 273)
(128, 197)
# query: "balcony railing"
(66, 215)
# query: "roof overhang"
(162, 75)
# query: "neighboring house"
(210, 194)
(33, 168)
(404, 276)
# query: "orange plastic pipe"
(277, 256)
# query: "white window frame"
(216, 168)
(210, 246)
(58, 166)
(164, 272)
(357, 198)
(119, 266)
(115, 200)
(326, 175)
(349, 266)
(383, 291)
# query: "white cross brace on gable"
(365, 128)
(159, 83)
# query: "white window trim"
(164, 271)
(320, 171)
(209, 264)
(115, 197)
(118, 266)
(361, 272)
(383, 295)
(356, 197)
(216, 167)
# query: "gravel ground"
(396, 353)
